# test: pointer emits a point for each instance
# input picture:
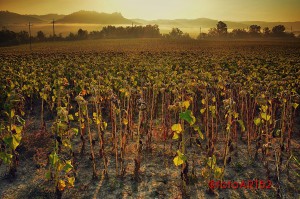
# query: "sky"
(234, 10)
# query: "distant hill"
(48, 17)
(91, 17)
(14, 18)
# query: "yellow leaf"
(71, 181)
(125, 121)
(186, 104)
(13, 127)
(203, 101)
(76, 114)
(71, 118)
(177, 161)
(60, 166)
(177, 128)
(202, 110)
(19, 129)
(61, 185)
(265, 116)
(214, 99)
(12, 113)
(257, 121)
(98, 121)
(104, 125)
(236, 115)
(175, 136)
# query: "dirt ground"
(159, 177)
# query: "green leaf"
(13, 141)
(242, 125)
(68, 167)
(75, 130)
(62, 126)
(48, 175)
(188, 116)
(211, 162)
(53, 158)
(6, 157)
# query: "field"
(150, 118)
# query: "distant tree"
(22, 37)
(40, 36)
(213, 32)
(254, 29)
(239, 33)
(278, 30)
(222, 28)
(176, 33)
(82, 34)
(71, 36)
(7, 36)
(202, 35)
(266, 31)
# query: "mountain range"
(92, 17)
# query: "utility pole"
(200, 33)
(29, 25)
(53, 30)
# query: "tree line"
(253, 31)
(8, 37)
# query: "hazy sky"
(237, 10)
